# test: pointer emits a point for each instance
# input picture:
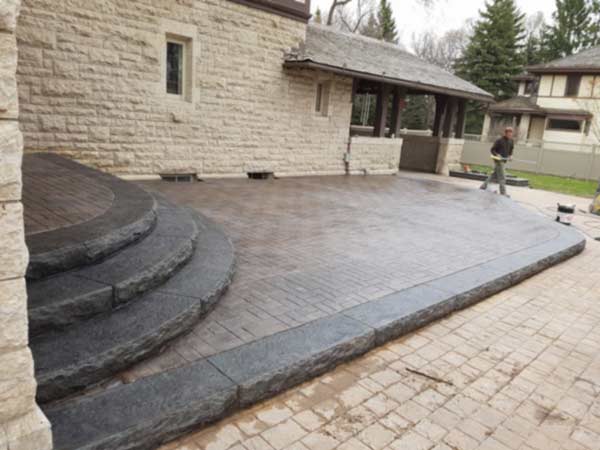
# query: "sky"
(445, 15)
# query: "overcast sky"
(444, 15)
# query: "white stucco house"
(557, 103)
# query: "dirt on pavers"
(521, 364)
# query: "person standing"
(502, 152)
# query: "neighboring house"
(558, 103)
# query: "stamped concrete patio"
(518, 371)
(312, 247)
(327, 269)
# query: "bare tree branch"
(334, 6)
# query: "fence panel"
(550, 158)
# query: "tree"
(533, 52)
(387, 23)
(494, 54)
(575, 28)
(317, 18)
(371, 28)
(335, 6)
(443, 51)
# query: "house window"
(530, 87)
(573, 84)
(322, 98)
(175, 67)
(564, 125)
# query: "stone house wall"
(375, 156)
(22, 424)
(92, 88)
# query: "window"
(175, 67)
(530, 87)
(573, 84)
(322, 98)
(564, 125)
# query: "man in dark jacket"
(502, 152)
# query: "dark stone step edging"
(89, 352)
(511, 181)
(130, 218)
(264, 368)
(64, 299)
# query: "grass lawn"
(563, 185)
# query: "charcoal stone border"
(155, 412)
(131, 217)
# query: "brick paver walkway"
(56, 197)
(520, 370)
(308, 248)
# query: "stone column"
(449, 155)
(487, 123)
(22, 424)
(523, 131)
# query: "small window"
(319, 102)
(564, 125)
(573, 84)
(322, 98)
(175, 69)
(530, 87)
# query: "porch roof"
(366, 58)
(526, 105)
(518, 105)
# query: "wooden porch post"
(450, 116)
(461, 120)
(440, 108)
(399, 96)
(383, 96)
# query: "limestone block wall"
(91, 82)
(449, 155)
(375, 155)
(22, 424)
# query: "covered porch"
(390, 74)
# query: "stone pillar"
(487, 123)
(383, 97)
(449, 155)
(22, 424)
(441, 102)
(523, 131)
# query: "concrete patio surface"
(517, 371)
(310, 248)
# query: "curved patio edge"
(131, 217)
(162, 407)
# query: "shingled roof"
(362, 57)
(526, 105)
(586, 61)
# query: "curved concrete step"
(64, 299)
(130, 217)
(157, 409)
(89, 352)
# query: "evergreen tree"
(494, 54)
(387, 23)
(575, 28)
(318, 17)
(533, 52)
(371, 28)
